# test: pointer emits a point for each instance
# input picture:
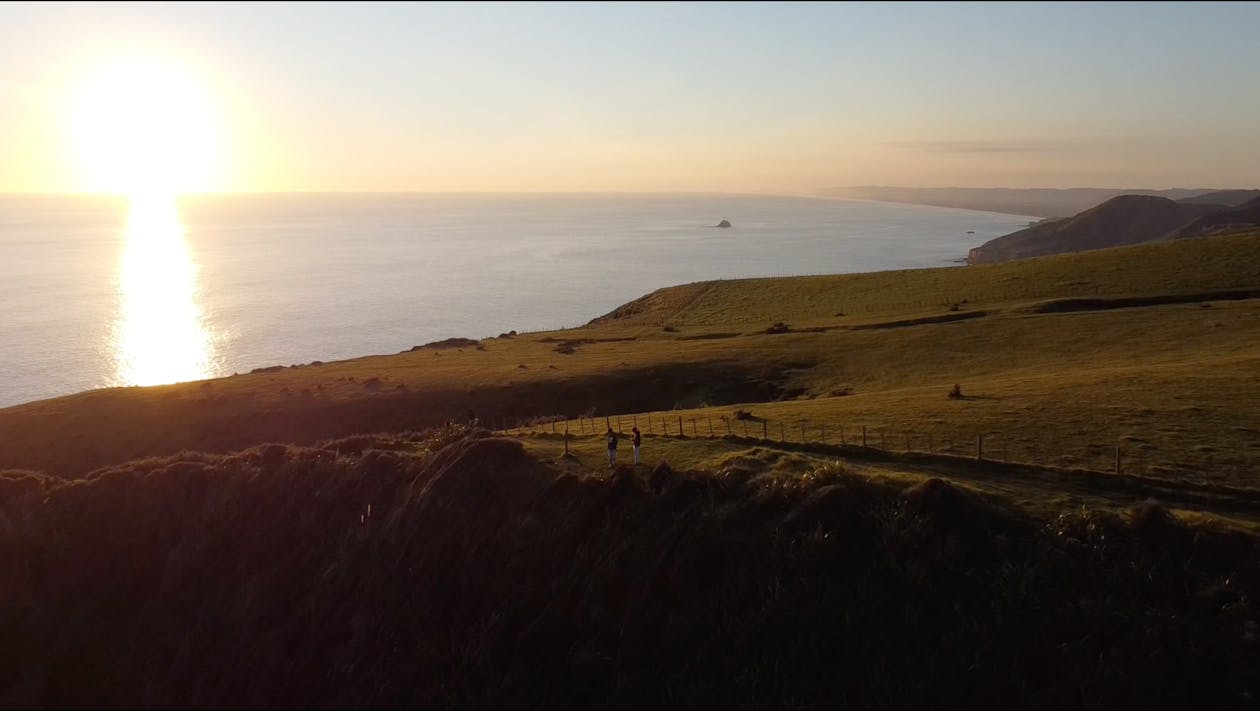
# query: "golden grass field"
(1154, 349)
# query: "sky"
(583, 96)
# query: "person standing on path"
(612, 447)
(638, 440)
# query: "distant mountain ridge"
(1233, 198)
(1244, 215)
(1035, 202)
(1125, 220)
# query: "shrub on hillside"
(779, 327)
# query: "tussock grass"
(461, 571)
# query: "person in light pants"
(612, 447)
(638, 440)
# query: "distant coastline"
(1036, 202)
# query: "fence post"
(781, 437)
(680, 432)
(907, 434)
(566, 437)
(745, 427)
(553, 426)
(693, 428)
(618, 424)
(863, 435)
(930, 448)
(710, 425)
(728, 425)
(841, 434)
(1117, 459)
(802, 432)
(979, 448)
(763, 429)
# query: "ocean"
(99, 292)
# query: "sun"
(144, 127)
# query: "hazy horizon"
(811, 193)
(758, 98)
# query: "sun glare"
(143, 127)
(160, 336)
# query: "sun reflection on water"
(160, 336)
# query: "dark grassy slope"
(1231, 198)
(458, 571)
(1125, 220)
(1122, 220)
(77, 434)
(1242, 216)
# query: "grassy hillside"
(1186, 267)
(457, 570)
(1123, 220)
(1154, 347)
(1242, 216)
(1231, 198)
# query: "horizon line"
(797, 193)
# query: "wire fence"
(1092, 454)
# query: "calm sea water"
(95, 294)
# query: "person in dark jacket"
(638, 440)
(612, 447)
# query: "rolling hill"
(1123, 220)
(1240, 217)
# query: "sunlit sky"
(778, 97)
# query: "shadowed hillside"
(1123, 220)
(1242, 216)
(456, 570)
(1229, 198)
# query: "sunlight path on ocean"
(160, 336)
